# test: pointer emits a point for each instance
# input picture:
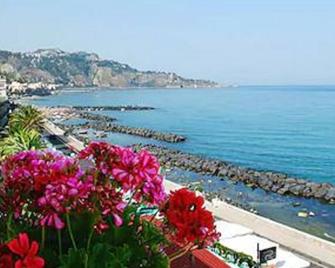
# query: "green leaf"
(100, 256)
(121, 257)
(74, 259)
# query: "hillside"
(82, 69)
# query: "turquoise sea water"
(289, 129)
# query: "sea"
(288, 129)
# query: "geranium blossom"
(6, 261)
(126, 169)
(110, 203)
(102, 153)
(26, 251)
(192, 223)
(31, 170)
(152, 189)
(135, 172)
(62, 197)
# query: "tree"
(24, 131)
(20, 140)
(27, 118)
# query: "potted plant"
(87, 211)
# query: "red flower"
(191, 222)
(6, 261)
(27, 252)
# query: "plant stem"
(8, 225)
(68, 222)
(89, 239)
(86, 260)
(59, 235)
(88, 246)
(43, 237)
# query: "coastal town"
(17, 89)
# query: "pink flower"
(101, 226)
(52, 220)
(32, 170)
(148, 165)
(153, 191)
(102, 153)
(62, 197)
(126, 169)
(135, 172)
(110, 203)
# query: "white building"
(3, 88)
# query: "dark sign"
(267, 254)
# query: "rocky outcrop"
(269, 181)
(81, 69)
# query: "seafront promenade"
(241, 230)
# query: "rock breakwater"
(65, 113)
(267, 180)
(109, 108)
(142, 132)
(96, 117)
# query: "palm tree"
(26, 117)
(20, 140)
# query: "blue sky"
(232, 41)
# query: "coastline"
(276, 182)
(104, 123)
(307, 214)
(270, 181)
(316, 250)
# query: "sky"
(229, 41)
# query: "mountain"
(82, 69)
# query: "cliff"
(82, 69)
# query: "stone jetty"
(109, 108)
(65, 113)
(96, 117)
(267, 180)
(137, 131)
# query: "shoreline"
(317, 250)
(105, 123)
(29, 93)
(270, 181)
